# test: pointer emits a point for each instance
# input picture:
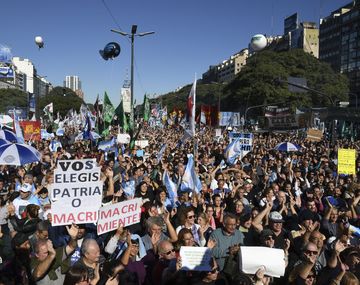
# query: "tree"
(11, 97)
(257, 83)
(63, 100)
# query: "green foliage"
(256, 84)
(208, 94)
(12, 97)
(62, 103)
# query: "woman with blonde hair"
(205, 229)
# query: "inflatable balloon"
(258, 42)
(110, 51)
(39, 42)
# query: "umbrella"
(287, 146)
(3, 141)
(8, 135)
(18, 154)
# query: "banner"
(346, 161)
(120, 214)
(273, 111)
(283, 122)
(126, 99)
(229, 119)
(77, 192)
(32, 130)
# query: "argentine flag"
(190, 179)
(171, 187)
(233, 151)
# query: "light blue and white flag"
(129, 188)
(171, 187)
(161, 152)
(233, 151)
(190, 179)
(54, 145)
(106, 145)
(17, 129)
(45, 135)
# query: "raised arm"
(257, 222)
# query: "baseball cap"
(266, 233)
(276, 217)
(25, 187)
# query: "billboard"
(291, 23)
(6, 72)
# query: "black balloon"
(111, 50)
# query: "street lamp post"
(132, 37)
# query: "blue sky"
(189, 36)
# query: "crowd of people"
(296, 202)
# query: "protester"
(295, 203)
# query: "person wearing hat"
(267, 238)
(25, 198)
(275, 224)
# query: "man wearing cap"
(275, 224)
(25, 198)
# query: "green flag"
(146, 108)
(108, 110)
(119, 112)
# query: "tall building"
(27, 70)
(340, 45)
(226, 71)
(73, 82)
(303, 36)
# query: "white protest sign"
(76, 193)
(218, 133)
(196, 258)
(120, 214)
(253, 257)
(142, 143)
(123, 138)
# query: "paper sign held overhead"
(77, 192)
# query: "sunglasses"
(170, 251)
(269, 238)
(215, 270)
(191, 217)
(314, 252)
